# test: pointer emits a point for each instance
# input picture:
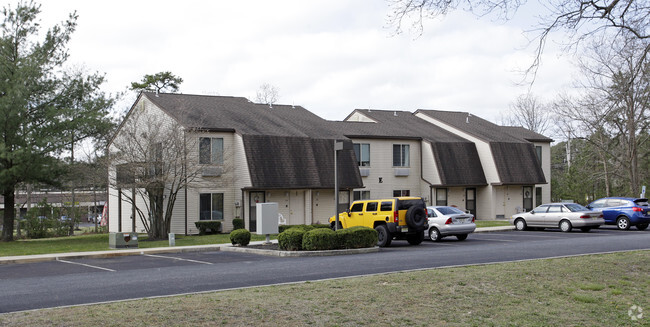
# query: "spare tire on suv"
(416, 217)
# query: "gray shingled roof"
(526, 134)
(514, 155)
(286, 146)
(473, 125)
(456, 158)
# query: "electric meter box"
(122, 240)
(267, 218)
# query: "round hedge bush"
(291, 239)
(240, 236)
(357, 237)
(319, 239)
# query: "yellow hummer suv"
(399, 218)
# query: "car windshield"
(449, 210)
(573, 207)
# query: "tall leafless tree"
(580, 20)
(267, 94)
(530, 112)
(614, 111)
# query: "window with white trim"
(362, 151)
(211, 206)
(401, 155)
(211, 150)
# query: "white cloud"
(328, 56)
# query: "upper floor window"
(211, 150)
(362, 151)
(401, 155)
(538, 150)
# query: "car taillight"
(637, 209)
(585, 216)
(396, 217)
(448, 221)
(473, 219)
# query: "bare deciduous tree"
(267, 94)
(614, 110)
(151, 155)
(530, 112)
(581, 20)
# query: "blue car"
(624, 212)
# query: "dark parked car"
(624, 212)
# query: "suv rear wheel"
(416, 217)
(383, 236)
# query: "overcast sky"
(329, 56)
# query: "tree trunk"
(157, 230)
(9, 215)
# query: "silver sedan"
(565, 216)
(449, 221)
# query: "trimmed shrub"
(240, 237)
(357, 237)
(319, 239)
(203, 226)
(237, 223)
(291, 239)
(306, 228)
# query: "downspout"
(185, 175)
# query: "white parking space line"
(497, 240)
(542, 236)
(175, 258)
(83, 264)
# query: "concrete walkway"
(195, 248)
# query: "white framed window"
(211, 206)
(361, 195)
(401, 155)
(362, 151)
(441, 196)
(211, 150)
(397, 193)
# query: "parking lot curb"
(280, 253)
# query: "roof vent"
(467, 119)
(395, 113)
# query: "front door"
(255, 198)
(528, 198)
(470, 200)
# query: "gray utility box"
(267, 218)
(122, 240)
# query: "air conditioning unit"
(364, 172)
(402, 172)
(211, 171)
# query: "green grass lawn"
(99, 242)
(491, 223)
(594, 290)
